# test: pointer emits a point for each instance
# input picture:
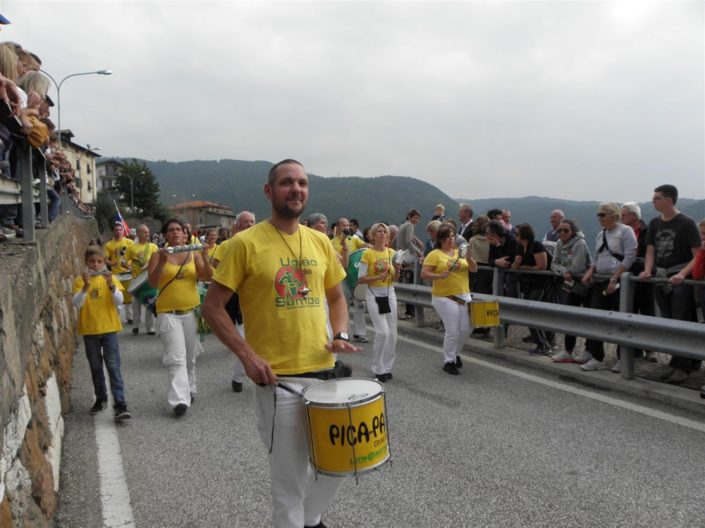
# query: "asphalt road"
(493, 447)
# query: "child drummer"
(97, 296)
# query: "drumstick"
(289, 389)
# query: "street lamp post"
(58, 90)
(132, 201)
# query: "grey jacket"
(573, 256)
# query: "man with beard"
(283, 272)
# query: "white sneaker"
(616, 368)
(593, 364)
(562, 357)
(582, 357)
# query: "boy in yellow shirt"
(97, 296)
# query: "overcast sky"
(580, 100)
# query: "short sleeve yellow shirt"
(457, 282)
(98, 315)
(379, 262)
(269, 270)
(353, 244)
(115, 251)
(138, 256)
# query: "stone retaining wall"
(37, 343)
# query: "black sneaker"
(135, 331)
(180, 409)
(130, 321)
(121, 413)
(236, 385)
(360, 339)
(99, 406)
(458, 362)
(450, 368)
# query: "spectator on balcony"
(571, 261)
(615, 253)
(643, 293)
(672, 242)
(431, 230)
(440, 213)
(531, 255)
(405, 240)
(466, 223)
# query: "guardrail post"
(626, 305)
(500, 337)
(40, 173)
(24, 168)
(419, 316)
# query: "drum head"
(341, 392)
(137, 282)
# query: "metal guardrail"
(628, 330)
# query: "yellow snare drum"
(483, 314)
(347, 426)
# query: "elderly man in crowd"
(465, 217)
(556, 218)
(406, 241)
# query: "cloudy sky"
(582, 100)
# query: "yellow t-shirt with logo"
(457, 282)
(115, 251)
(378, 262)
(138, 255)
(352, 242)
(181, 293)
(98, 315)
(268, 269)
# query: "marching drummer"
(138, 255)
(345, 244)
(116, 257)
(283, 271)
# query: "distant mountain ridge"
(239, 184)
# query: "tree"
(137, 185)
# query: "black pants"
(407, 277)
(601, 302)
(678, 304)
(573, 299)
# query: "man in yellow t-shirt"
(283, 272)
(138, 255)
(116, 257)
(346, 244)
(97, 296)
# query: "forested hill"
(239, 184)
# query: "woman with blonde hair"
(378, 272)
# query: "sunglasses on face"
(601, 215)
(563, 230)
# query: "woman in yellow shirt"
(377, 272)
(175, 274)
(450, 293)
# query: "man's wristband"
(341, 336)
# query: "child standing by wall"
(97, 296)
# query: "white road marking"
(114, 495)
(684, 422)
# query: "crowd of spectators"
(25, 110)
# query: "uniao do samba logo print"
(290, 281)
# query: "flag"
(120, 220)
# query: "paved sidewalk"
(646, 384)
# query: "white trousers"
(456, 322)
(127, 310)
(137, 308)
(299, 498)
(238, 369)
(385, 325)
(357, 321)
(179, 335)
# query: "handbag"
(383, 300)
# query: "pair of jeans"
(678, 304)
(104, 349)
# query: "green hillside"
(239, 184)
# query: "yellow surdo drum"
(483, 314)
(347, 426)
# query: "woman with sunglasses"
(571, 260)
(175, 274)
(450, 293)
(615, 252)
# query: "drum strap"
(457, 299)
